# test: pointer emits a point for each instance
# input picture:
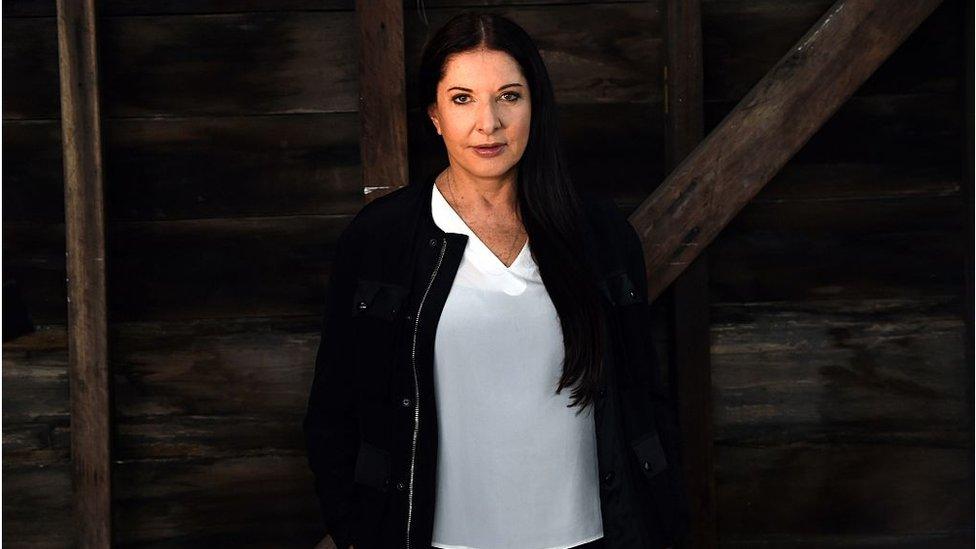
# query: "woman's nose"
(488, 118)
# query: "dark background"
(841, 381)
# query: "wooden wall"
(232, 162)
(840, 382)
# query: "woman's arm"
(663, 406)
(330, 424)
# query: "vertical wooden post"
(690, 365)
(85, 259)
(382, 96)
(966, 13)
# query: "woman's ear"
(432, 113)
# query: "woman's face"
(483, 98)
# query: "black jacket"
(371, 424)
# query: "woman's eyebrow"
(514, 84)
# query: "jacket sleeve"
(663, 405)
(331, 424)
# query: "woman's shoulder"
(390, 212)
(616, 236)
(603, 213)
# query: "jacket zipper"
(416, 384)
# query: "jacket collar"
(400, 227)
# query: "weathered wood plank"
(41, 8)
(85, 265)
(689, 369)
(615, 58)
(382, 97)
(880, 371)
(37, 489)
(305, 62)
(213, 387)
(36, 420)
(193, 269)
(853, 375)
(855, 409)
(843, 490)
(38, 8)
(30, 67)
(777, 117)
(252, 501)
(37, 511)
(178, 168)
(270, 63)
(905, 129)
(222, 268)
(961, 539)
(966, 13)
(745, 38)
(754, 260)
(907, 243)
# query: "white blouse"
(516, 468)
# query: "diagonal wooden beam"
(84, 219)
(771, 123)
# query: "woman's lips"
(488, 152)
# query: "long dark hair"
(548, 199)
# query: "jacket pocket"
(650, 454)
(657, 489)
(372, 466)
(620, 289)
(372, 483)
(381, 300)
(376, 318)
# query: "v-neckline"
(463, 226)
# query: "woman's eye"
(511, 97)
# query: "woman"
(458, 313)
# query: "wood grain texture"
(227, 218)
(244, 501)
(37, 441)
(306, 62)
(841, 418)
(690, 368)
(743, 39)
(209, 434)
(614, 58)
(382, 96)
(39, 8)
(776, 117)
(86, 266)
(213, 388)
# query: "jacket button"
(400, 485)
(405, 403)
(632, 294)
(608, 477)
(410, 316)
(362, 305)
(603, 392)
(647, 466)
(433, 242)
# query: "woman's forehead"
(487, 69)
